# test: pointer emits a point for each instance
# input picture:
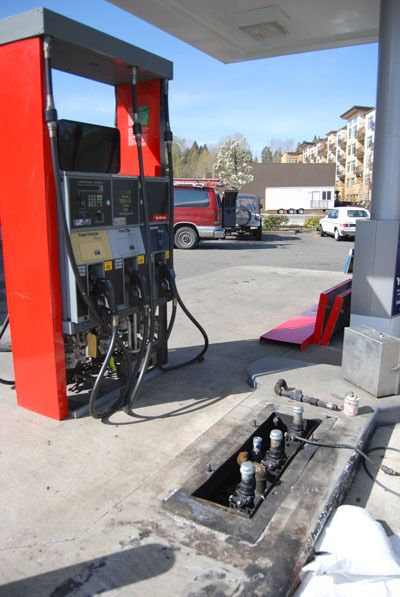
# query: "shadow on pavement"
(96, 576)
(269, 241)
(223, 373)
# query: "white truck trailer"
(298, 199)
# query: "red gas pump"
(88, 261)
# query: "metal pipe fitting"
(257, 448)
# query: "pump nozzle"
(104, 287)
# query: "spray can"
(350, 405)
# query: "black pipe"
(143, 362)
(100, 376)
(6, 382)
(168, 137)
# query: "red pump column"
(149, 102)
(29, 229)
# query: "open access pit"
(239, 487)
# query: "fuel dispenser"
(87, 220)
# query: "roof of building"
(355, 110)
(304, 144)
(289, 175)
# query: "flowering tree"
(234, 162)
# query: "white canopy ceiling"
(237, 30)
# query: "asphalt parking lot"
(287, 249)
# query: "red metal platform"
(297, 330)
(317, 324)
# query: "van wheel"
(337, 235)
(300, 211)
(281, 211)
(185, 238)
(290, 211)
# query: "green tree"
(266, 155)
(277, 156)
(234, 162)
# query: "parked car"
(241, 214)
(197, 212)
(341, 221)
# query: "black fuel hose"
(4, 326)
(168, 137)
(6, 382)
(200, 356)
(100, 376)
(51, 120)
(143, 363)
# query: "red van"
(198, 211)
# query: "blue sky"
(290, 97)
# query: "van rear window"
(191, 198)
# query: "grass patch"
(274, 222)
(312, 222)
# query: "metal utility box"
(371, 360)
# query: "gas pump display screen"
(86, 147)
(125, 201)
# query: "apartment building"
(368, 153)
(354, 182)
(351, 149)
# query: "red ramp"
(317, 324)
(297, 330)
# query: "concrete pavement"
(82, 503)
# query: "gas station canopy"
(233, 31)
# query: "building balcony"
(360, 132)
(359, 172)
(360, 153)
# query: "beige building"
(354, 181)
(292, 157)
(351, 150)
(368, 154)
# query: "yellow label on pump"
(91, 340)
(140, 259)
(166, 254)
(108, 266)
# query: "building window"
(292, 160)
(371, 122)
(370, 142)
